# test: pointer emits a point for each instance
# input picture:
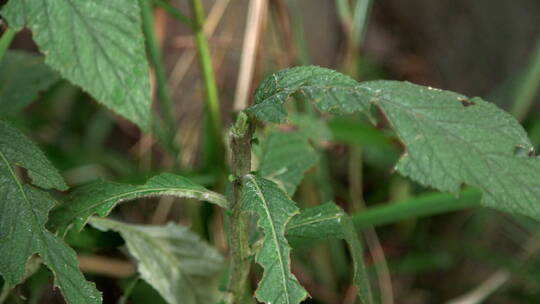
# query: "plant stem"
(424, 205)
(241, 134)
(165, 103)
(5, 40)
(210, 87)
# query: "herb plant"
(450, 142)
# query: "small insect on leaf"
(521, 150)
(466, 102)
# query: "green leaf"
(175, 261)
(377, 147)
(330, 221)
(450, 140)
(274, 209)
(22, 76)
(24, 211)
(329, 91)
(314, 127)
(358, 133)
(286, 156)
(100, 197)
(96, 44)
(18, 150)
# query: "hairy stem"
(210, 86)
(238, 238)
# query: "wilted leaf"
(175, 261)
(96, 44)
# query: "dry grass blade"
(255, 19)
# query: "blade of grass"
(354, 26)
(175, 13)
(5, 40)
(359, 21)
(4, 293)
(284, 23)
(344, 10)
(375, 248)
(257, 8)
(183, 63)
(210, 86)
(419, 206)
(529, 86)
(129, 290)
(298, 32)
(484, 290)
(164, 99)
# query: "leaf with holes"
(274, 209)
(95, 44)
(450, 140)
(329, 221)
(175, 261)
(22, 76)
(24, 212)
(100, 197)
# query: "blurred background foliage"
(487, 48)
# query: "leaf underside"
(328, 221)
(23, 213)
(450, 140)
(274, 209)
(100, 197)
(22, 76)
(98, 45)
(175, 261)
